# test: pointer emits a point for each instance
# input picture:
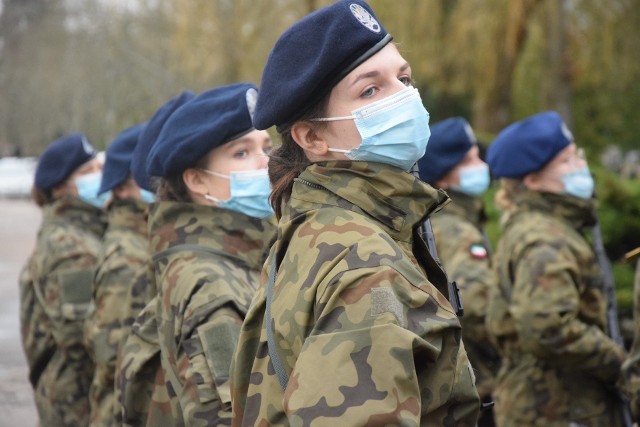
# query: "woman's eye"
(241, 154)
(406, 80)
(369, 92)
(267, 150)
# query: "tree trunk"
(492, 104)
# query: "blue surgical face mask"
(147, 196)
(250, 191)
(394, 130)
(474, 180)
(578, 183)
(88, 186)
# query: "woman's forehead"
(387, 57)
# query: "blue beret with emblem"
(201, 124)
(528, 145)
(312, 56)
(450, 141)
(61, 158)
(117, 165)
(149, 136)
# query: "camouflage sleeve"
(137, 367)
(545, 306)
(208, 354)
(475, 278)
(383, 352)
(68, 266)
(631, 367)
(37, 338)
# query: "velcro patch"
(384, 300)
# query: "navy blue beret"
(312, 56)
(149, 136)
(201, 124)
(61, 158)
(117, 165)
(528, 145)
(450, 141)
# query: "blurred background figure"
(209, 234)
(452, 163)
(631, 367)
(548, 314)
(138, 358)
(57, 282)
(124, 251)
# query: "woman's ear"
(193, 180)
(306, 136)
(532, 181)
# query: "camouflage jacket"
(138, 369)
(207, 262)
(466, 256)
(56, 293)
(363, 328)
(548, 315)
(124, 251)
(631, 367)
(138, 355)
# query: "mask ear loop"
(207, 196)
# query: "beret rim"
(324, 88)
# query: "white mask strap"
(214, 173)
(338, 150)
(332, 119)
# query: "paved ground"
(19, 221)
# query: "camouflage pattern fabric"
(631, 367)
(138, 366)
(360, 312)
(208, 262)
(548, 315)
(56, 293)
(136, 360)
(466, 256)
(124, 251)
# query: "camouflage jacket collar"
(578, 213)
(241, 237)
(128, 215)
(396, 199)
(468, 207)
(75, 211)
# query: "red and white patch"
(478, 251)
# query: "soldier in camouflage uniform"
(138, 358)
(631, 367)
(351, 325)
(548, 313)
(56, 284)
(452, 163)
(209, 236)
(124, 251)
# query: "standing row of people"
(294, 286)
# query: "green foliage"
(619, 212)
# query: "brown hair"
(173, 188)
(289, 160)
(41, 197)
(505, 196)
